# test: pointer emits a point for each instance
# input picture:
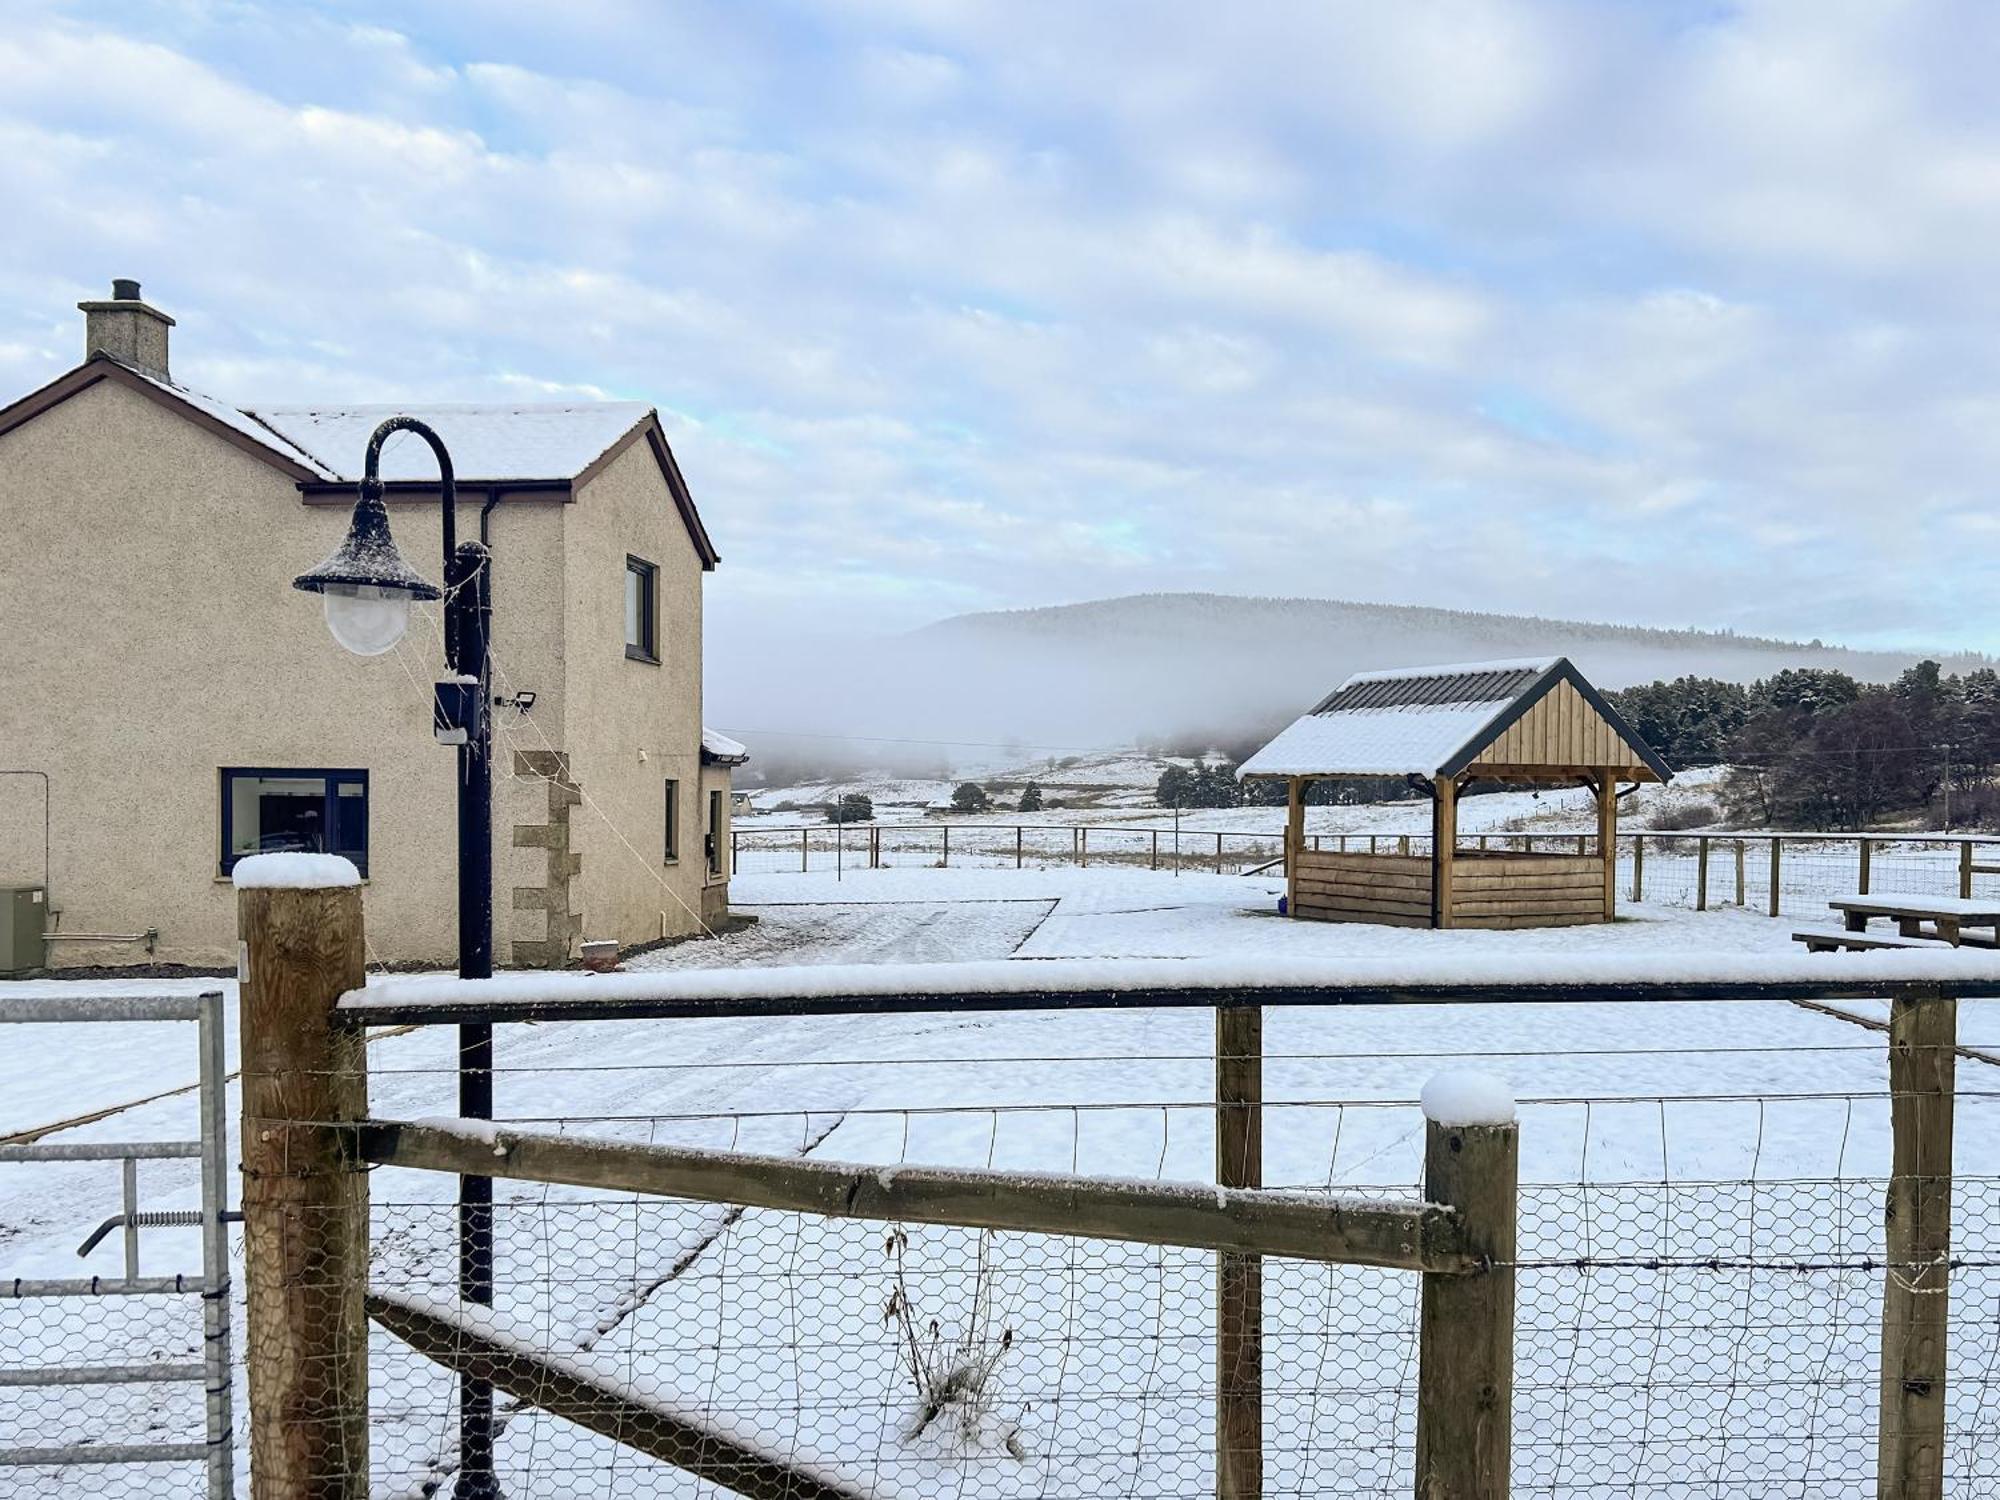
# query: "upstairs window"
(642, 610)
(267, 811)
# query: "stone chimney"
(127, 328)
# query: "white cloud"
(1612, 311)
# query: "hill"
(1172, 670)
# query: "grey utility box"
(24, 919)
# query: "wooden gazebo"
(1502, 723)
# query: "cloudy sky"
(1672, 313)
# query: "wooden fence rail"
(1303, 1226)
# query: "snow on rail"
(692, 1432)
(1465, 974)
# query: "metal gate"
(212, 1369)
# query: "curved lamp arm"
(371, 482)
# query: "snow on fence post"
(1239, 1279)
(305, 1200)
(1465, 1359)
(1923, 1035)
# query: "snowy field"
(1672, 1133)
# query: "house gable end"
(649, 432)
(101, 367)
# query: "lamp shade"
(367, 586)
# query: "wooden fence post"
(305, 1201)
(1083, 848)
(805, 849)
(1867, 850)
(946, 863)
(1239, 1279)
(735, 844)
(1155, 863)
(1638, 868)
(1923, 1033)
(1701, 874)
(1218, 854)
(1018, 831)
(1742, 893)
(1965, 871)
(1774, 845)
(1465, 1358)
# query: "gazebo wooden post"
(1444, 846)
(1607, 838)
(1295, 839)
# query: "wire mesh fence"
(1700, 1270)
(1712, 871)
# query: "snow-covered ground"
(1677, 1130)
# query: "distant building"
(188, 706)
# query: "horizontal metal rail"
(100, 1375)
(103, 1151)
(103, 1453)
(579, 1003)
(103, 1286)
(1348, 1230)
(37, 1011)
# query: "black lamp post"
(368, 590)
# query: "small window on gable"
(317, 812)
(642, 610)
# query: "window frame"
(672, 830)
(647, 648)
(330, 778)
(715, 810)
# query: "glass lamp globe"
(365, 618)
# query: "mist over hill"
(1164, 667)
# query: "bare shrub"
(952, 1373)
(1687, 815)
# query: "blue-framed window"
(272, 809)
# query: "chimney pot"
(127, 328)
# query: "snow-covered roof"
(238, 421)
(720, 750)
(506, 441)
(1421, 721)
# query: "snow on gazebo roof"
(1428, 721)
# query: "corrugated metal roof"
(1470, 685)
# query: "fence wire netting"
(1669, 870)
(42, 1335)
(1699, 1276)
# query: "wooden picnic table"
(1949, 916)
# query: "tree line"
(1814, 748)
